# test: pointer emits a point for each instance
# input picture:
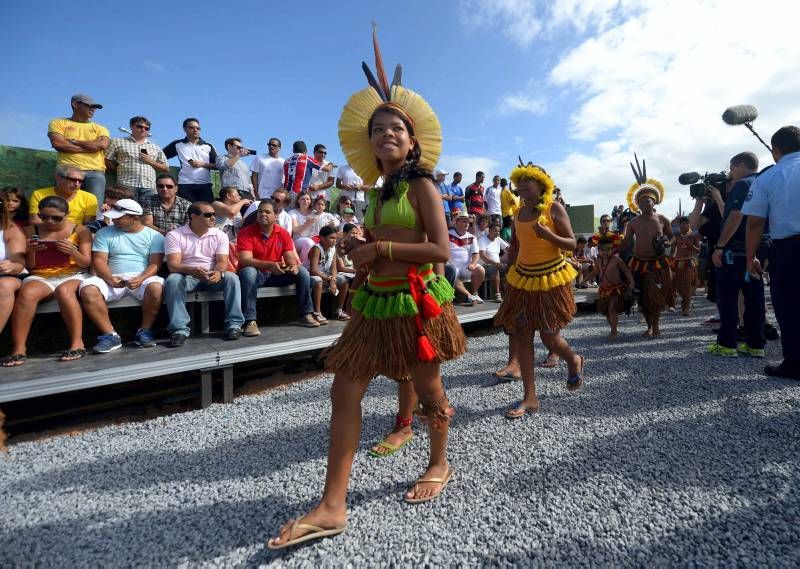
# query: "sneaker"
(320, 318)
(713, 321)
(746, 350)
(107, 343)
(144, 338)
(342, 315)
(251, 329)
(476, 299)
(308, 321)
(717, 350)
(233, 334)
(177, 340)
(498, 297)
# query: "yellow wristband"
(390, 251)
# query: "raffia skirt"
(654, 279)
(539, 297)
(685, 279)
(605, 295)
(381, 338)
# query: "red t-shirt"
(264, 248)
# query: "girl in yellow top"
(59, 277)
(539, 282)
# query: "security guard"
(775, 194)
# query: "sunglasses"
(272, 144)
(53, 218)
(206, 214)
(79, 180)
(142, 126)
(322, 152)
(164, 186)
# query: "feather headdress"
(643, 185)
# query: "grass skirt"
(605, 296)
(381, 337)
(685, 279)
(525, 311)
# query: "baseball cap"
(124, 207)
(86, 100)
(439, 172)
(348, 210)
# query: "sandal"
(550, 361)
(392, 449)
(72, 355)
(505, 376)
(314, 532)
(443, 481)
(519, 410)
(574, 382)
(13, 360)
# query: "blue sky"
(567, 84)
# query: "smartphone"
(143, 150)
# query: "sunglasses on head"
(53, 218)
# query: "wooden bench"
(202, 298)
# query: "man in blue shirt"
(775, 195)
(126, 257)
(457, 194)
(444, 189)
(729, 259)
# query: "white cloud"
(657, 81)
(517, 19)
(517, 103)
(154, 66)
(468, 165)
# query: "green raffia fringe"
(382, 305)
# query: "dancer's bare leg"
(345, 432)
(523, 345)
(512, 367)
(613, 314)
(428, 387)
(556, 343)
(407, 400)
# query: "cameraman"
(708, 223)
(776, 195)
(731, 264)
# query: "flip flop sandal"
(443, 481)
(549, 361)
(389, 447)
(574, 382)
(72, 355)
(315, 532)
(527, 410)
(14, 360)
(505, 377)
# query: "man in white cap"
(125, 257)
(439, 176)
(82, 143)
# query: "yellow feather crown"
(531, 171)
(652, 187)
(354, 137)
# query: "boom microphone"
(740, 114)
(688, 178)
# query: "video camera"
(698, 185)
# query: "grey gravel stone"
(667, 456)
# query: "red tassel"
(425, 351)
(429, 307)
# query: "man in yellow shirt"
(509, 204)
(82, 143)
(82, 205)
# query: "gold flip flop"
(315, 532)
(443, 481)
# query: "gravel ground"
(666, 457)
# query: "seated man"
(491, 247)
(323, 268)
(69, 179)
(267, 258)
(464, 255)
(197, 257)
(583, 263)
(125, 257)
(165, 211)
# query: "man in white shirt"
(464, 260)
(492, 197)
(490, 247)
(352, 186)
(267, 171)
(321, 179)
(282, 217)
